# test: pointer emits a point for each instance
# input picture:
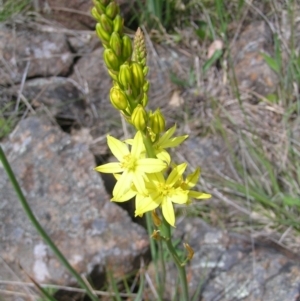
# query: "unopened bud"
(118, 24)
(139, 118)
(144, 101)
(112, 9)
(137, 75)
(190, 251)
(106, 23)
(116, 43)
(111, 59)
(145, 70)
(127, 48)
(118, 98)
(99, 6)
(157, 122)
(146, 86)
(102, 34)
(113, 74)
(125, 75)
(95, 14)
(104, 2)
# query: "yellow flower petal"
(150, 165)
(113, 167)
(118, 148)
(163, 155)
(138, 145)
(173, 142)
(199, 195)
(179, 196)
(192, 179)
(126, 196)
(167, 135)
(122, 185)
(168, 211)
(146, 204)
(175, 174)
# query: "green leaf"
(217, 54)
(272, 63)
(291, 201)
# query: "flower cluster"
(144, 162)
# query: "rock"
(251, 70)
(69, 200)
(75, 14)
(91, 73)
(44, 53)
(227, 268)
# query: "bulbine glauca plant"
(143, 161)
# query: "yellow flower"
(164, 193)
(190, 182)
(133, 165)
(166, 141)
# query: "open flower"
(161, 192)
(133, 165)
(190, 182)
(166, 141)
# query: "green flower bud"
(125, 75)
(118, 98)
(139, 48)
(100, 7)
(118, 24)
(116, 43)
(144, 101)
(102, 34)
(106, 23)
(127, 48)
(145, 70)
(137, 75)
(139, 118)
(111, 59)
(146, 86)
(104, 2)
(95, 14)
(112, 9)
(157, 122)
(113, 74)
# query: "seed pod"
(157, 122)
(112, 9)
(116, 43)
(111, 59)
(137, 75)
(102, 34)
(125, 75)
(118, 24)
(139, 118)
(106, 23)
(95, 14)
(118, 98)
(127, 48)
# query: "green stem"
(39, 228)
(165, 229)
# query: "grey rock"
(47, 54)
(251, 70)
(227, 267)
(69, 200)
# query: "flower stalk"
(145, 170)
